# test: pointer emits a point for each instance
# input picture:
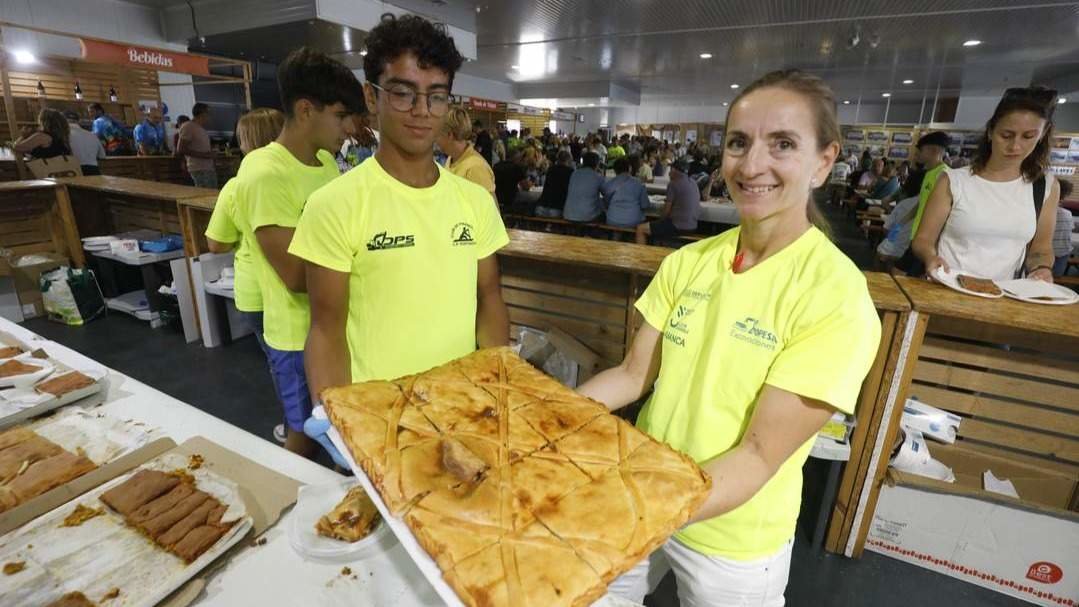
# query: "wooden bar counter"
(36, 217)
(105, 204)
(166, 169)
(1010, 369)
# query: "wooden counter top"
(155, 190)
(28, 184)
(935, 299)
(205, 203)
(589, 252)
(885, 293)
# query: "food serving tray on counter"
(424, 562)
(22, 402)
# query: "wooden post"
(9, 106)
(67, 221)
(247, 84)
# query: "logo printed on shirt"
(677, 325)
(461, 234)
(383, 241)
(749, 331)
(698, 295)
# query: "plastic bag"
(71, 296)
(930, 421)
(171, 242)
(537, 349)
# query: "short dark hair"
(590, 160)
(182, 118)
(621, 165)
(1065, 189)
(312, 75)
(97, 107)
(395, 36)
(199, 109)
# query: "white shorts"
(707, 581)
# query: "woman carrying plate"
(995, 218)
(752, 340)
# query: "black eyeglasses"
(403, 99)
(1041, 95)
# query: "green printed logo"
(750, 331)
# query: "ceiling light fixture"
(886, 95)
(725, 104)
(706, 55)
(908, 81)
(515, 67)
(363, 52)
(1062, 100)
(846, 102)
(972, 43)
(591, 105)
(734, 86)
(24, 56)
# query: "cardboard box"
(1027, 548)
(28, 281)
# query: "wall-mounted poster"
(955, 138)
(1074, 144)
(691, 135)
(972, 138)
(902, 138)
(1058, 155)
(716, 139)
(877, 137)
(852, 150)
(1061, 142)
(1073, 156)
(899, 152)
(855, 135)
(876, 151)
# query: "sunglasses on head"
(1041, 95)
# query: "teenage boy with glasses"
(401, 267)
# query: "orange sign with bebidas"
(144, 58)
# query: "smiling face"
(1016, 135)
(772, 155)
(412, 131)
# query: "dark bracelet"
(1035, 269)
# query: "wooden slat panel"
(968, 328)
(544, 271)
(18, 238)
(588, 311)
(29, 249)
(560, 288)
(1000, 385)
(1049, 464)
(1030, 441)
(1050, 367)
(987, 407)
(25, 225)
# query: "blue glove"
(316, 429)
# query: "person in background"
(53, 137)
(194, 146)
(464, 161)
(838, 181)
(751, 341)
(498, 152)
(181, 120)
(553, 198)
(866, 161)
(484, 145)
(681, 211)
(84, 145)
(931, 150)
(615, 152)
(576, 148)
(230, 230)
(1062, 235)
(903, 172)
(150, 134)
(359, 145)
(984, 219)
(644, 166)
(888, 184)
(869, 178)
(511, 177)
(383, 241)
(624, 198)
(319, 97)
(513, 142)
(583, 204)
(596, 147)
(108, 130)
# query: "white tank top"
(990, 225)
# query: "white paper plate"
(312, 502)
(951, 280)
(1029, 289)
(28, 379)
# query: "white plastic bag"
(914, 457)
(930, 421)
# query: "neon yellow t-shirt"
(474, 168)
(273, 189)
(413, 258)
(928, 183)
(228, 226)
(801, 320)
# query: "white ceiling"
(655, 44)
(652, 47)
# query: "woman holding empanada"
(752, 340)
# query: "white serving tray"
(424, 562)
